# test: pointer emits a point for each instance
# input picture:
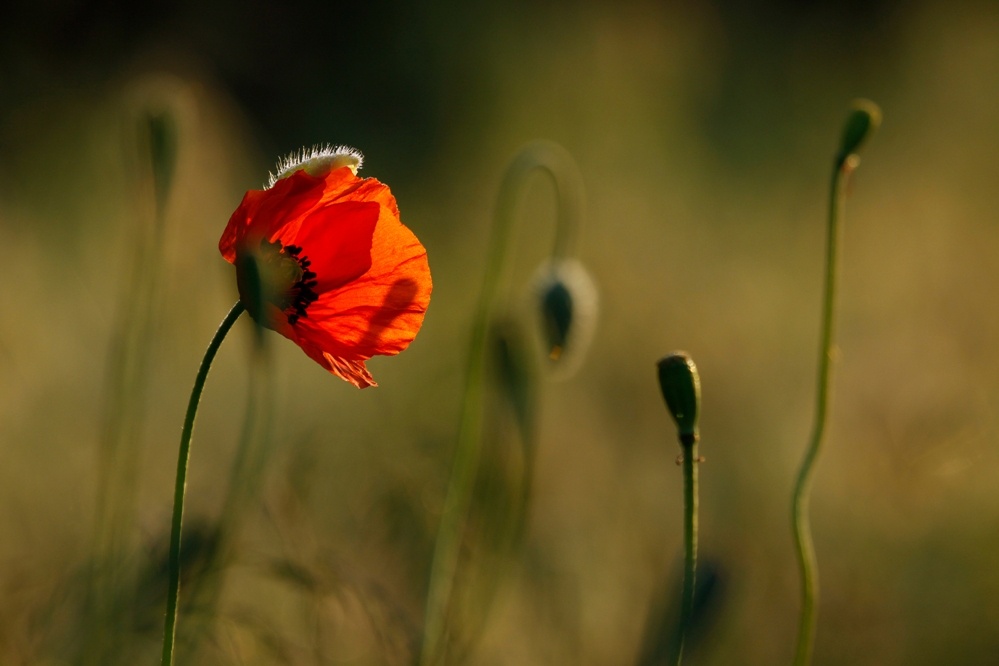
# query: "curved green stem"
(554, 160)
(799, 519)
(245, 478)
(173, 592)
(689, 445)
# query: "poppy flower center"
(279, 275)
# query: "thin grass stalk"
(180, 487)
(556, 162)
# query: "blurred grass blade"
(557, 163)
(497, 518)
(516, 375)
(162, 132)
(155, 150)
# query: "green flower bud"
(162, 139)
(568, 311)
(681, 387)
(859, 128)
(556, 313)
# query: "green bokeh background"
(705, 132)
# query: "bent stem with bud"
(861, 124)
(681, 388)
(559, 165)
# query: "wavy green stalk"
(804, 547)
(863, 121)
(180, 488)
(555, 161)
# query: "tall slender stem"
(799, 519)
(689, 445)
(173, 592)
(553, 159)
(245, 478)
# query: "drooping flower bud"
(859, 128)
(556, 309)
(681, 388)
(568, 303)
(162, 137)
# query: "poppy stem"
(245, 478)
(180, 487)
(689, 445)
(804, 546)
(557, 163)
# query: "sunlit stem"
(246, 475)
(690, 463)
(180, 488)
(559, 165)
(799, 519)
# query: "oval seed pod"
(860, 126)
(681, 388)
(568, 305)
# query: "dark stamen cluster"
(304, 291)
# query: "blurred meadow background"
(704, 132)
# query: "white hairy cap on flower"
(317, 161)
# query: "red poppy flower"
(322, 258)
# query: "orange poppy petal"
(381, 311)
(367, 274)
(350, 370)
(270, 213)
(336, 238)
(353, 371)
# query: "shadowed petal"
(381, 311)
(267, 213)
(337, 240)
